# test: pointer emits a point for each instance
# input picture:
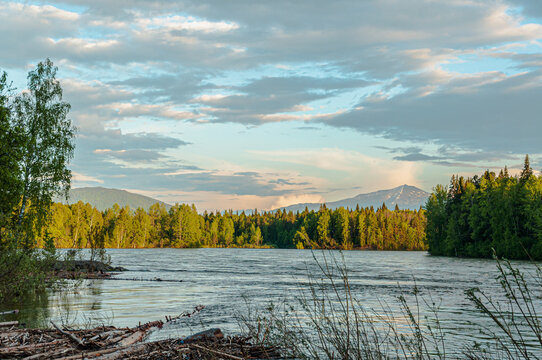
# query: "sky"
(261, 104)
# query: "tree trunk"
(23, 206)
(25, 194)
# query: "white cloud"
(124, 110)
(46, 13)
(185, 172)
(81, 45)
(380, 68)
(284, 201)
(187, 23)
(349, 167)
(205, 98)
(81, 178)
(297, 117)
(211, 201)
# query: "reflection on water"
(34, 310)
(73, 303)
(220, 278)
(79, 304)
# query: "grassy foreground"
(328, 322)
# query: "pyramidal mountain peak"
(404, 196)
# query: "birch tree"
(47, 148)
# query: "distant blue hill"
(103, 198)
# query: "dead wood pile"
(84, 269)
(108, 342)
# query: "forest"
(81, 225)
(474, 217)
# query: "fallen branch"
(132, 339)
(27, 348)
(9, 312)
(93, 354)
(124, 353)
(71, 336)
(222, 354)
(9, 323)
(196, 311)
(48, 355)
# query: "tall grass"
(327, 321)
(516, 326)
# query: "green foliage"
(474, 216)
(322, 235)
(36, 143)
(49, 245)
(182, 226)
(436, 219)
(47, 148)
(24, 272)
(11, 139)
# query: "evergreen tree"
(503, 213)
(527, 171)
(322, 227)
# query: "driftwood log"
(8, 324)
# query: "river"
(223, 279)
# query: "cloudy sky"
(243, 104)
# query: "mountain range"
(404, 196)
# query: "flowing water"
(222, 279)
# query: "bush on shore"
(25, 272)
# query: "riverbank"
(109, 342)
(223, 278)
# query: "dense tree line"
(81, 225)
(473, 216)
